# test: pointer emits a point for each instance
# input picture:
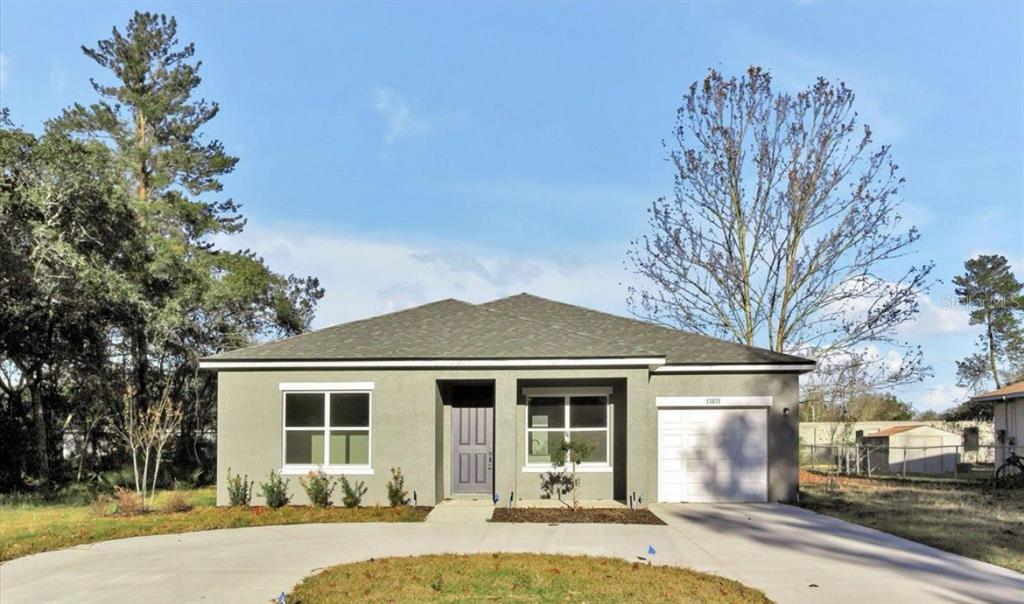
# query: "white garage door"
(712, 454)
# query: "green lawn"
(516, 578)
(29, 528)
(967, 519)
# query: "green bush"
(239, 490)
(318, 488)
(353, 494)
(397, 494)
(275, 490)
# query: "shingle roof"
(1009, 391)
(517, 327)
(894, 430)
(679, 347)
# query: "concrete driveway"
(780, 549)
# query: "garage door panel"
(712, 454)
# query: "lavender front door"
(473, 450)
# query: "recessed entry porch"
(498, 444)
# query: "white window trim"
(566, 394)
(336, 469)
(325, 386)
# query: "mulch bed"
(568, 516)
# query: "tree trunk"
(992, 351)
(42, 437)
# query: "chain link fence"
(858, 459)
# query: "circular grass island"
(516, 578)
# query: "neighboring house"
(828, 433)
(469, 400)
(1008, 416)
(914, 449)
(816, 438)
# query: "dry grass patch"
(516, 578)
(30, 528)
(567, 516)
(965, 519)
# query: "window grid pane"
(546, 412)
(597, 438)
(588, 412)
(304, 447)
(350, 447)
(350, 409)
(304, 410)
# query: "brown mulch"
(582, 515)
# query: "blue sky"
(410, 152)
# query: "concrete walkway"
(461, 510)
(783, 550)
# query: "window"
(328, 429)
(552, 417)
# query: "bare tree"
(784, 231)
(145, 431)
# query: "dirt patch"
(583, 515)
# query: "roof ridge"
(562, 328)
(648, 324)
(348, 323)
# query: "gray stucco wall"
(411, 427)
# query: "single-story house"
(915, 448)
(470, 399)
(1008, 417)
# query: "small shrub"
(353, 494)
(239, 490)
(397, 494)
(574, 453)
(102, 505)
(129, 503)
(176, 502)
(275, 490)
(121, 477)
(318, 487)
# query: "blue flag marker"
(650, 550)
(280, 599)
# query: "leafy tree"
(996, 299)
(69, 234)
(877, 406)
(783, 232)
(866, 406)
(199, 299)
(114, 280)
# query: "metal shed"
(915, 449)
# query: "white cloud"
(399, 117)
(941, 398)
(4, 69)
(369, 275)
(947, 317)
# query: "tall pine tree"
(197, 299)
(996, 299)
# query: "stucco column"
(506, 435)
(639, 437)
